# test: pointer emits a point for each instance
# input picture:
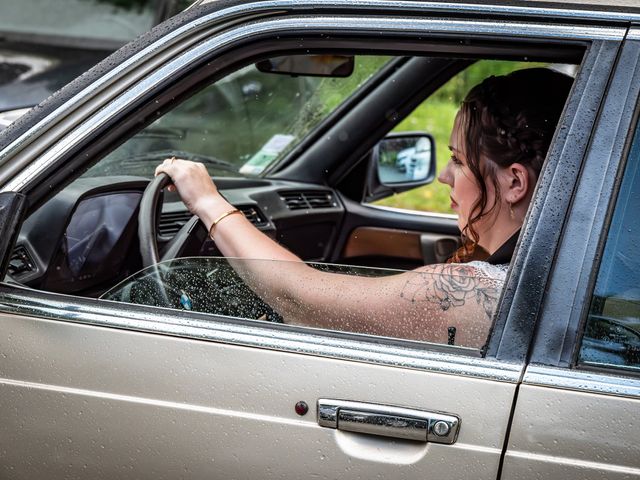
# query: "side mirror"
(401, 161)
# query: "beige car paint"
(95, 402)
(549, 423)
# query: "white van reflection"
(414, 161)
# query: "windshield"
(240, 125)
(111, 21)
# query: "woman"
(498, 144)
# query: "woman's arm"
(419, 305)
(235, 236)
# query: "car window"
(433, 306)
(612, 332)
(435, 116)
(239, 125)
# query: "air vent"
(171, 222)
(308, 199)
(253, 215)
(20, 261)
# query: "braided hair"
(507, 119)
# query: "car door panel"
(388, 237)
(422, 248)
(598, 444)
(156, 406)
(572, 420)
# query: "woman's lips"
(454, 205)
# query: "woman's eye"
(455, 160)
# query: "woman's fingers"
(167, 166)
(190, 179)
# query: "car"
(42, 48)
(415, 161)
(133, 349)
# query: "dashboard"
(84, 240)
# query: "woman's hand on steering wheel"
(192, 182)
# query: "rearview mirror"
(406, 159)
(309, 65)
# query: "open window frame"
(153, 92)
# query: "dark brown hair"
(505, 120)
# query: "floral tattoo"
(451, 286)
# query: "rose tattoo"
(450, 286)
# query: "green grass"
(436, 117)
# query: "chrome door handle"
(397, 422)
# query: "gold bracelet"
(219, 219)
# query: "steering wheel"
(235, 299)
(190, 237)
(192, 234)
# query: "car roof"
(605, 7)
(596, 5)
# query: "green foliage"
(436, 115)
(333, 91)
(387, 157)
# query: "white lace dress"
(489, 271)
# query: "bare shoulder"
(454, 285)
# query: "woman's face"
(464, 188)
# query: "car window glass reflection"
(454, 309)
(239, 125)
(612, 332)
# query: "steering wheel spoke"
(188, 239)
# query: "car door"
(100, 389)
(577, 412)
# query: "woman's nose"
(445, 175)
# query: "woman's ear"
(517, 183)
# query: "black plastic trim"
(571, 285)
(525, 289)
(12, 211)
(41, 233)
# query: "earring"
(511, 214)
